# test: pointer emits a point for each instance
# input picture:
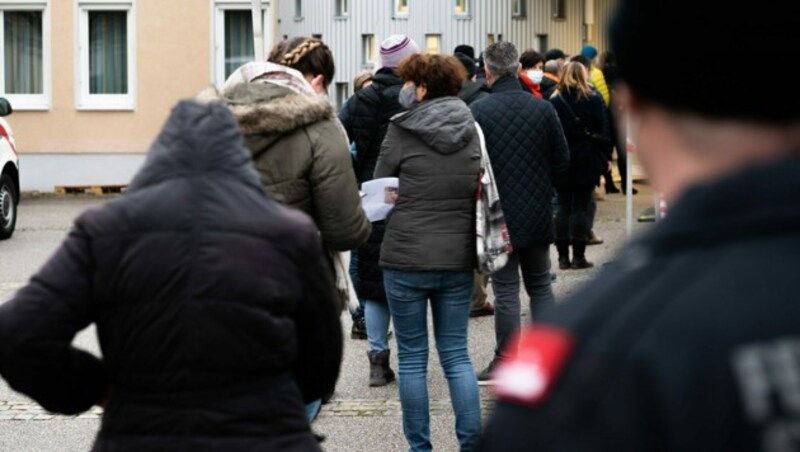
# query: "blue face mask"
(408, 96)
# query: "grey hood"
(445, 124)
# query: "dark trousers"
(534, 262)
(573, 221)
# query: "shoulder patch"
(526, 375)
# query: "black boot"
(563, 254)
(579, 256)
(380, 374)
(359, 329)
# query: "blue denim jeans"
(312, 409)
(449, 294)
(377, 316)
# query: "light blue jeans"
(377, 316)
(449, 294)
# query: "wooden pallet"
(89, 189)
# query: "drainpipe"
(258, 31)
(588, 19)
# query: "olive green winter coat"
(302, 156)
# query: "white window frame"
(438, 37)
(396, 13)
(342, 9)
(369, 50)
(218, 35)
(29, 102)
(85, 100)
(559, 9)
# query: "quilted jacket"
(527, 148)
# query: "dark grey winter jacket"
(435, 151)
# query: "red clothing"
(532, 87)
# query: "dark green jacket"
(302, 156)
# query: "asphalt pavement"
(358, 418)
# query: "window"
(400, 7)
(342, 8)
(519, 8)
(541, 43)
(25, 54)
(106, 44)
(489, 40)
(461, 8)
(342, 93)
(559, 9)
(298, 9)
(369, 51)
(233, 37)
(433, 43)
(317, 36)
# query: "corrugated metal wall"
(344, 35)
(604, 12)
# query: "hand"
(318, 85)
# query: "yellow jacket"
(598, 80)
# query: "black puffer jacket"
(214, 306)
(588, 158)
(365, 117)
(527, 148)
(435, 151)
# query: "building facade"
(91, 81)
(354, 28)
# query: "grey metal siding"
(485, 17)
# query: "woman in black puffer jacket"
(214, 306)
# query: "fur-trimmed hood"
(264, 108)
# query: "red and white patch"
(528, 373)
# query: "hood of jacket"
(445, 124)
(197, 139)
(265, 108)
(471, 90)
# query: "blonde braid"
(293, 57)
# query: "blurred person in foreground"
(527, 148)
(692, 342)
(428, 255)
(215, 306)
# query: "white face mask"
(536, 76)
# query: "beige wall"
(173, 46)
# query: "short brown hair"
(441, 75)
(307, 55)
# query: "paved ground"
(359, 418)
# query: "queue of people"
(214, 283)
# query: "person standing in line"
(550, 80)
(531, 72)
(527, 148)
(298, 146)
(586, 127)
(618, 135)
(429, 252)
(596, 77)
(690, 341)
(366, 118)
(470, 93)
(215, 306)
